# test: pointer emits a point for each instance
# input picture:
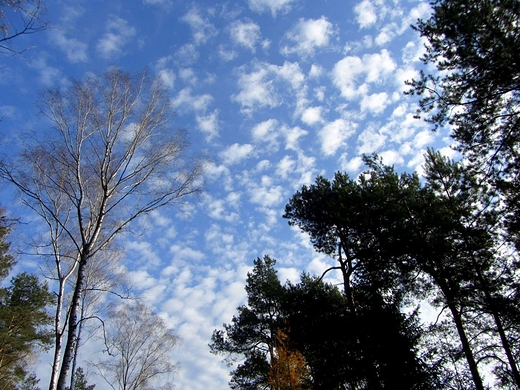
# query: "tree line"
(450, 238)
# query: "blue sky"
(275, 92)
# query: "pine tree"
(23, 320)
(80, 382)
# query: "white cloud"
(312, 115)
(71, 14)
(225, 54)
(386, 34)
(142, 279)
(292, 137)
(167, 77)
(285, 166)
(375, 103)
(413, 51)
(202, 29)
(353, 164)
(378, 65)
(262, 165)
(391, 157)
(48, 75)
(345, 77)
(402, 75)
(188, 75)
(264, 129)
(402, 124)
(157, 2)
(290, 72)
(275, 6)
(265, 132)
(208, 124)
(424, 138)
(319, 93)
(220, 173)
(217, 209)
(334, 134)
(236, 153)
(352, 75)
(186, 254)
(307, 36)
(370, 140)
(365, 14)
(164, 72)
(188, 102)
(118, 34)
(245, 33)
(306, 169)
(258, 87)
(143, 251)
(421, 11)
(265, 193)
(316, 71)
(9, 112)
(187, 54)
(75, 50)
(291, 274)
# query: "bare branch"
(109, 158)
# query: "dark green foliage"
(372, 348)
(476, 45)
(23, 318)
(30, 382)
(398, 239)
(363, 224)
(80, 382)
(252, 333)
(474, 268)
(6, 260)
(319, 328)
(23, 321)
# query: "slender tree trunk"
(76, 346)
(498, 322)
(466, 347)
(58, 336)
(72, 329)
(506, 346)
(346, 271)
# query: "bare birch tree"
(109, 157)
(140, 345)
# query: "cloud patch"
(353, 75)
(259, 87)
(236, 153)
(365, 14)
(118, 34)
(209, 125)
(74, 49)
(275, 6)
(202, 29)
(307, 36)
(334, 134)
(246, 33)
